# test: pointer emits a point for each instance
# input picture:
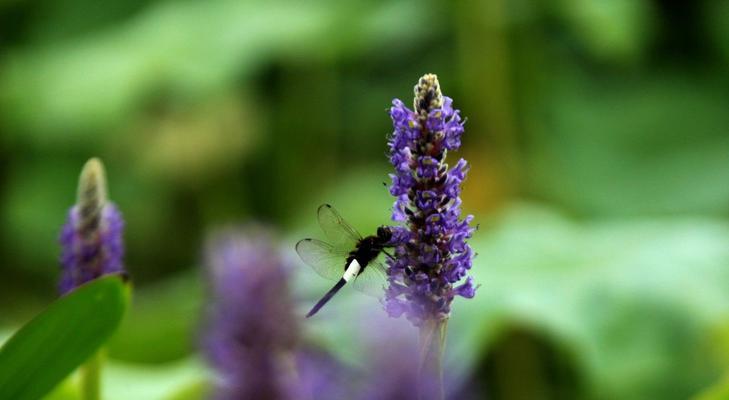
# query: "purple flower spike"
(253, 333)
(431, 254)
(91, 239)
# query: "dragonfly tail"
(326, 297)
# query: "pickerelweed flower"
(252, 339)
(431, 254)
(252, 327)
(91, 239)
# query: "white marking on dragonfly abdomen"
(352, 270)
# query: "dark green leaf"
(58, 340)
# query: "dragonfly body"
(369, 248)
(348, 258)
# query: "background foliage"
(597, 134)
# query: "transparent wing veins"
(342, 236)
(322, 257)
(372, 280)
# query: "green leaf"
(719, 391)
(49, 347)
(195, 391)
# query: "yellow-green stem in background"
(430, 375)
(91, 377)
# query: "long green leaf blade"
(49, 347)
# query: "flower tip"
(429, 78)
(92, 182)
(427, 94)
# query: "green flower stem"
(430, 375)
(91, 377)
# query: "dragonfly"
(347, 257)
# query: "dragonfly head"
(384, 233)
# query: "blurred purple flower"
(432, 255)
(91, 238)
(321, 377)
(252, 329)
(253, 336)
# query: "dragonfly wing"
(372, 280)
(322, 257)
(342, 236)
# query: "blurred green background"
(598, 134)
